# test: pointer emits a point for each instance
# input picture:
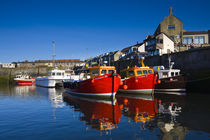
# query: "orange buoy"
(125, 87)
(125, 101)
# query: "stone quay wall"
(11, 72)
(194, 64)
(191, 62)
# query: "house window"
(199, 39)
(135, 49)
(171, 27)
(187, 40)
(172, 37)
(160, 41)
(156, 52)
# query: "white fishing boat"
(55, 79)
(170, 80)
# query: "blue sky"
(28, 27)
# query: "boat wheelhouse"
(103, 82)
(55, 78)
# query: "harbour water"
(29, 112)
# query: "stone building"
(171, 26)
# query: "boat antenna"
(53, 56)
(170, 64)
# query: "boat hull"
(46, 83)
(25, 81)
(139, 85)
(171, 84)
(101, 86)
(49, 82)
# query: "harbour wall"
(11, 72)
(194, 64)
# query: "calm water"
(29, 112)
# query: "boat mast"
(86, 53)
(53, 42)
(170, 64)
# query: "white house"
(159, 44)
(133, 51)
(7, 65)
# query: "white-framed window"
(187, 40)
(199, 39)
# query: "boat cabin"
(165, 73)
(135, 71)
(100, 70)
(22, 76)
(56, 72)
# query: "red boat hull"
(104, 85)
(139, 84)
(28, 81)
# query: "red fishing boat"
(138, 80)
(99, 114)
(23, 79)
(103, 82)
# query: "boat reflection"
(99, 114)
(24, 90)
(168, 118)
(53, 94)
(140, 108)
(56, 97)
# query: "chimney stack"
(171, 13)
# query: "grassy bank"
(6, 80)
